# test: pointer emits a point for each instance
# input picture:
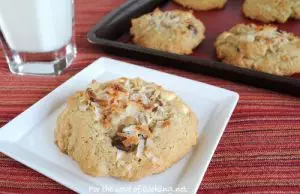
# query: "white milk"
(36, 25)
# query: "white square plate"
(29, 138)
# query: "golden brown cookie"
(126, 128)
(272, 10)
(202, 4)
(172, 31)
(262, 48)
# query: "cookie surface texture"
(126, 128)
(272, 10)
(262, 48)
(171, 31)
(202, 4)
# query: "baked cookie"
(272, 10)
(262, 48)
(172, 31)
(126, 128)
(202, 4)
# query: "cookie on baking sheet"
(272, 10)
(172, 31)
(262, 48)
(202, 4)
(126, 128)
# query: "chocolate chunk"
(154, 109)
(117, 142)
(193, 29)
(279, 31)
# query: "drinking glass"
(37, 36)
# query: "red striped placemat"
(258, 153)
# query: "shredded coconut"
(141, 146)
(97, 111)
(83, 107)
(144, 119)
(153, 158)
(144, 98)
(120, 154)
(130, 130)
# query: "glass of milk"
(37, 36)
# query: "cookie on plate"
(171, 31)
(126, 128)
(202, 4)
(272, 10)
(262, 48)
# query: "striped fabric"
(258, 153)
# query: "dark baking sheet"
(112, 35)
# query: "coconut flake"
(149, 91)
(103, 96)
(84, 107)
(145, 99)
(140, 96)
(135, 97)
(248, 38)
(168, 96)
(144, 119)
(129, 130)
(159, 114)
(153, 158)
(120, 154)
(127, 85)
(141, 146)
(269, 33)
(97, 111)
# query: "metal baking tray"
(112, 35)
